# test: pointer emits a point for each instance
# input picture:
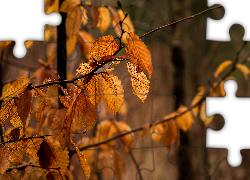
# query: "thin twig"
(22, 167)
(136, 165)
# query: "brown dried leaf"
(157, 132)
(4, 159)
(16, 152)
(5, 111)
(45, 102)
(221, 68)
(54, 175)
(83, 162)
(113, 92)
(94, 90)
(104, 19)
(140, 83)
(118, 164)
(115, 21)
(139, 54)
(45, 155)
(173, 134)
(103, 46)
(31, 146)
(51, 6)
(95, 15)
(85, 42)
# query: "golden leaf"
(118, 164)
(244, 69)
(103, 133)
(51, 6)
(139, 54)
(67, 5)
(4, 158)
(221, 68)
(31, 146)
(172, 134)
(144, 131)
(85, 68)
(94, 90)
(157, 132)
(83, 162)
(85, 17)
(16, 152)
(217, 90)
(95, 15)
(16, 88)
(127, 25)
(104, 19)
(5, 111)
(140, 83)
(103, 46)
(113, 92)
(85, 112)
(71, 42)
(184, 121)
(74, 21)
(85, 42)
(197, 99)
(206, 120)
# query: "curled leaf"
(221, 68)
(244, 69)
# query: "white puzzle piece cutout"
(236, 12)
(23, 20)
(234, 135)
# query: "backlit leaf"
(85, 68)
(113, 92)
(173, 134)
(51, 6)
(104, 19)
(94, 90)
(244, 69)
(103, 46)
(71, 42)
(4, 158)
(68, 4)
(95, 15)
(139, 54)
(144, 131)
(140, 83)
(157, 132)
(5, 111)
(221, 68)
(74, 21)
(83, 162)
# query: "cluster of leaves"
(49, 150)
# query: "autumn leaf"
(4, 158)
(71, 42)
(28, 44)
(244, 69)
(16, 88)
(5, 111)
(83, 161)
(67, 5)
(118, 164)
(51, 6)
(53, 175)
(104, 19)
(31, 146)
(85, 68)
(4, 44)
(206, 120)
(140, 83)
(217, 90)
(184, 121)
(139, 54)
(221, 68)
(103, 133)
(113, 92)
(94, 90)
(144, 131)
(85, 42)
(157, 132)
(95, 15)
(103, 46)
(173, 134)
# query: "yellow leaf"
(140, 83)
(206, 120)
(244, 69)
(16, 88)
(118, 164)
(217, 90)
(74, 21)
(127, 26)
(83, 162)
(16, 152)
(85, 17)
(104, 19)
(139, 54)
(103, 46)
(113, 92)
(157, 132)
(85, 68)
(85, 42)
(71, 42)
(67, 5)
(94, 90)
(221, 68)
(184, 121)
(4, 44)
(5, 111)
(4, 159)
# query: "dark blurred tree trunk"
(61, 52)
